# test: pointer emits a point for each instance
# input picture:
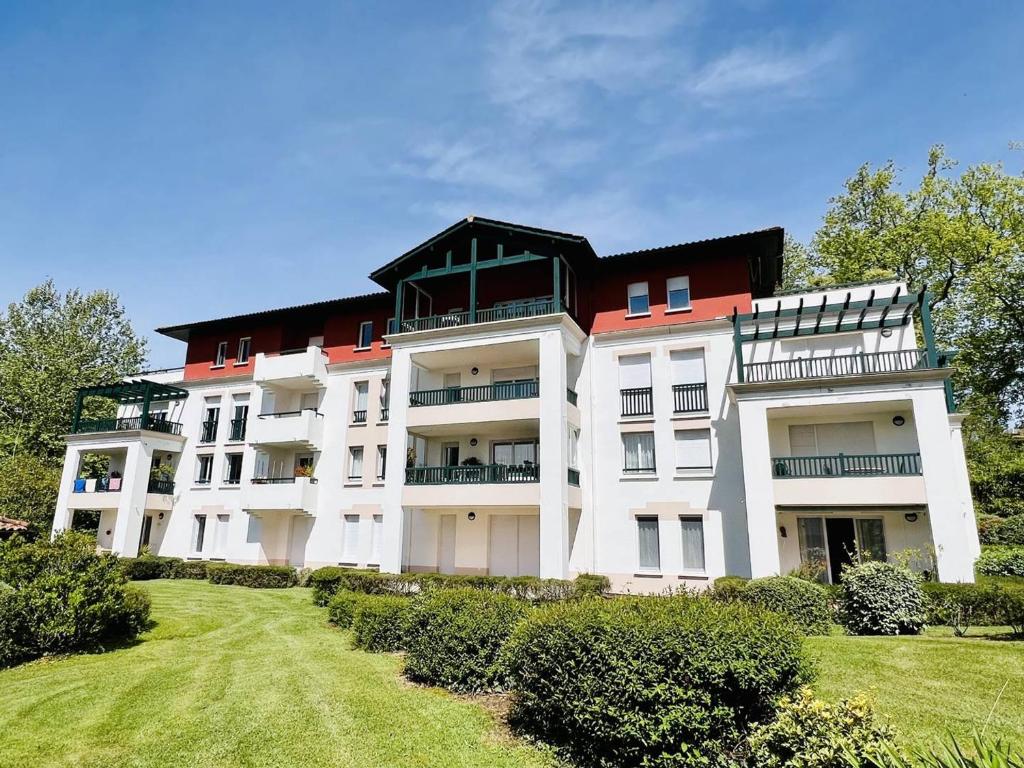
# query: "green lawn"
(237, 677)
(930, 684)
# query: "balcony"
(237, 433)
(289, 429)
(512, 311)
(280, 494)
(888, 480)
(480, 485)
(105, 493)
(690, 398)
(485, 393)
(479, 473)
(208, 431)
(860, 364)
(152, 424)
(637, 401)
(301, 369)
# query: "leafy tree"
(28, 490)
(50, 345)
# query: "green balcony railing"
(153, 424)
(471, 474)
(484, 393)
(359, 416)
(208, 431)
(490, 314)
(574, 477)
(847, 465)
(637, 401)
(160, 486)
(840, 365)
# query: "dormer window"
(221, 356)
(244, 348)
(639, 301)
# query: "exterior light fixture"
(474, 370)
(910, 517)
(782, 531)
(887, 332)
(473, 441)
(471, 515)
(160, 516)
(898, 421)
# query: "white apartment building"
(513, 404)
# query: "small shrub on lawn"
(256, 576)
(188, 569)
(729, 588)
(1001, 561)
(456, 637)
(811, 733)
(879, 598)
(146, 567)
(649, 681)
(379, 623)
(1009, 609)
(342, 608)
(64, 597)
(805, 603)
(591, 585)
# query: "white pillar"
(63, 516)
(759, 491)
(963, 481)
(942, 483)
(132, 506)
(394, 484)
(554, 489)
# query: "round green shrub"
(591, 585)
(810, 733)
(1001, 561)
(805, 603)
(879, 598)
(456, 636)
(650, 681)
(342, 608)
(729, 588)
(379, 623)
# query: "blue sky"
(215, 158)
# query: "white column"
(554, 490)
(963, 482)
(759, 495)
(394, 483)
(946, 512)
(132, 507)
(62, 515)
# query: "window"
(515, 452)
(871, 538)
(233, 468)
(639, 304)
(688, 366)
(238, 422)
(359, 411)
(693, 543)
(813, 552)
(391, 327)
(209, 427)
(693, 449)
(376, 539)
(222, 355)
(573, 447)
(355, 463)
(639, 452)
(832, 439)
(350, 539)
(382, 461)
(649, 547)
(198, 532)
(678, 293)
(204, 470)
(365, 334)
(244, 347)
(220, 543)
(635, 385)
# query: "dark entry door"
(842, 544)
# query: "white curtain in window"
(639, 450)
(812, 545)
(871, 537)
(350, 539)
(634, 371)
(693, 543)
(362, 389)
(688, 366)
(693, 448)
(355, 466)
(377, 539)
(647, 539)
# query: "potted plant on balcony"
(474, 475)
(304, 470)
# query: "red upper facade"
(480, 270)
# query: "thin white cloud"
(744, 70)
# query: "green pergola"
(134, 392)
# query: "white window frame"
(227, 468)
(359, 339)
(244, 346)
(382, 462)
(685, 279)
(198, 533)
(204, 459)
(352, 452)
(700, 469)
(632, 291)
(641, 568)
(222, 355)
(350, 544)
(688, 568)
(639, 471)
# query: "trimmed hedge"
(379, 623)
(255, 576)
(147, 567)
(1001, 530)
(879, 598)
(342, 608)
(1000, 561)
(331, 579)
(807, 604)
(455, 637)
(650, 681)
(188, 569)
(728, 588)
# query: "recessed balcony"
(466, 405)
(887, 479)
(497, 485)
(289, 429)
(280, 494)
(516, 310)
(292, 369)
(847, 465)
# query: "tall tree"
(50, 345)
